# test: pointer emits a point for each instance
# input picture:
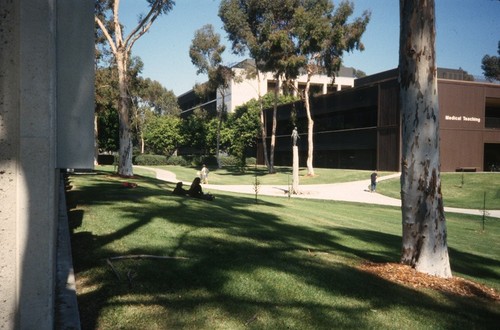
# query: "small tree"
(108, 21)
(163, 134)
(424, 224)
(206, 54)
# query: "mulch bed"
(406, 275)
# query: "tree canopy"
(491, 66)
(289, 37)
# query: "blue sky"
(466, 30)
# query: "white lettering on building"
(462, 118)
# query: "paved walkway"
(356, 191)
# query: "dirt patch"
(408, 276)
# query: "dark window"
(492, 113)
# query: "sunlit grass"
(283, 175)
(464, 190)
(275, 264)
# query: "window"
(492, 113)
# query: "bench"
(466, 169)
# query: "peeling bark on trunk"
(424, 225)
(125, 162)
(310, 129)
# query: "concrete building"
(46, 125)
(360, 128)
(242, 89)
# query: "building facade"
(46, 125)
(360, 128)
(244, 88)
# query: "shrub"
(178, 160)
(251, 161)
(230, 161)
(150, 160)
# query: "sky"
(466, 30)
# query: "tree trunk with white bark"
(424, 225)
(125, 162)
(310, 128)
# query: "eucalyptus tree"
(206, 54)
(321, 36)
(424, 245)
(491, 66)
(108, 22)
(262, 28)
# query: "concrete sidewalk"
(356, 191)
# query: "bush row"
(189, 160)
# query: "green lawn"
(275, 264)
(464, 190)
(283, 175)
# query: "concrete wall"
(28, 158)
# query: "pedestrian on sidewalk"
(373, 179)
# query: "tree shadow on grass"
(246, 267)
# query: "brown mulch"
(408, 276)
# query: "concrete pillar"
(30, 106)
(295, 171)
(28, 73)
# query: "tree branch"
(106, 34)
(116, 22)
(143, 25)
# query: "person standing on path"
(373, 179)
(204, 174)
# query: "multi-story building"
(244, 88)
(360, 127)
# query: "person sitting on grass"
(196, 191)
(178, 190)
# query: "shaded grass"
(276, 264)
(468, 193)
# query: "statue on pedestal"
(295, 136)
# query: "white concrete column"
(28, 207)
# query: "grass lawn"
(276, 264)
(283, 175)
(464, 190)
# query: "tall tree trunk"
(219, 124)
(262, 124)
(96, 139)
(310, 128)
(125, 160)
(142, 142)
(424, 225)
(273, 129)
